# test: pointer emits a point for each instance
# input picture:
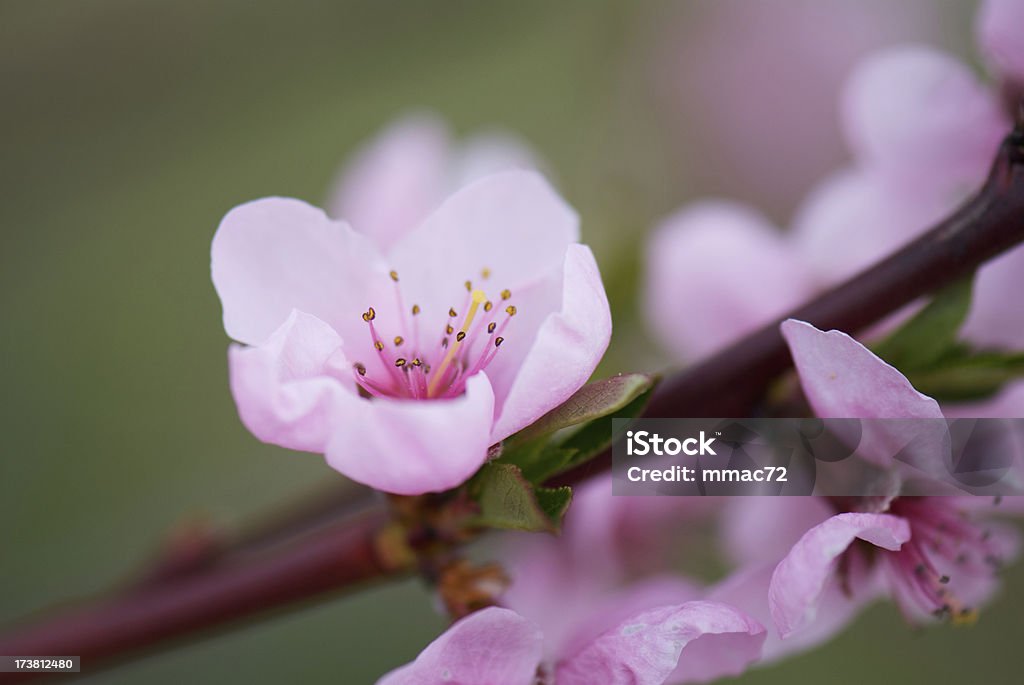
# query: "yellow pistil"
(477, 297)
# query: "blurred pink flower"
(923, 130)
(499, 647)
(752, 87)
(717, 270)
(395, 181)
(387, 360)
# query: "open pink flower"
(928, 553)
(499, 647)
(403, 365)
(416, 159)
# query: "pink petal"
(410, 447)
(717, 270)
(274, 255)
(395, 180)
(747, 588)
(843, 379)
(533, 375)
(292, 390)
(493, 646)
(511, 223)
(853, 219)
(996, 318)
(915, 111)
(999, 25)
(606, 608)
(802, 576)
(647, 648)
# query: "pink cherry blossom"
(928, 554)
(416, 159)
(497, 646)
(402, 365)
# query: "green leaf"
(539, 455)
(931, 333)
(594, 437)
(590, 402)
(548, 455)
(965, 375)
(508, 500)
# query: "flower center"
(427, 367)
(944, 544)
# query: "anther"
(379, 345)
(400, 362)
(448, 329)
(444, 343)
(417, 362)
(488, 306)
(394, 276)
(491, 326)
(485, 273)
(498, 341)
(461, 336)
(369, 315)
(944, 579)
(360, 369)
(511, 310)
(506, 293)
(415, 309)
(452, 313)
(469, 286)
(399, 340)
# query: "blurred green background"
(130, 127)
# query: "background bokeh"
(129, 127)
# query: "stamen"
(477, 298)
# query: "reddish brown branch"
(247, 583)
